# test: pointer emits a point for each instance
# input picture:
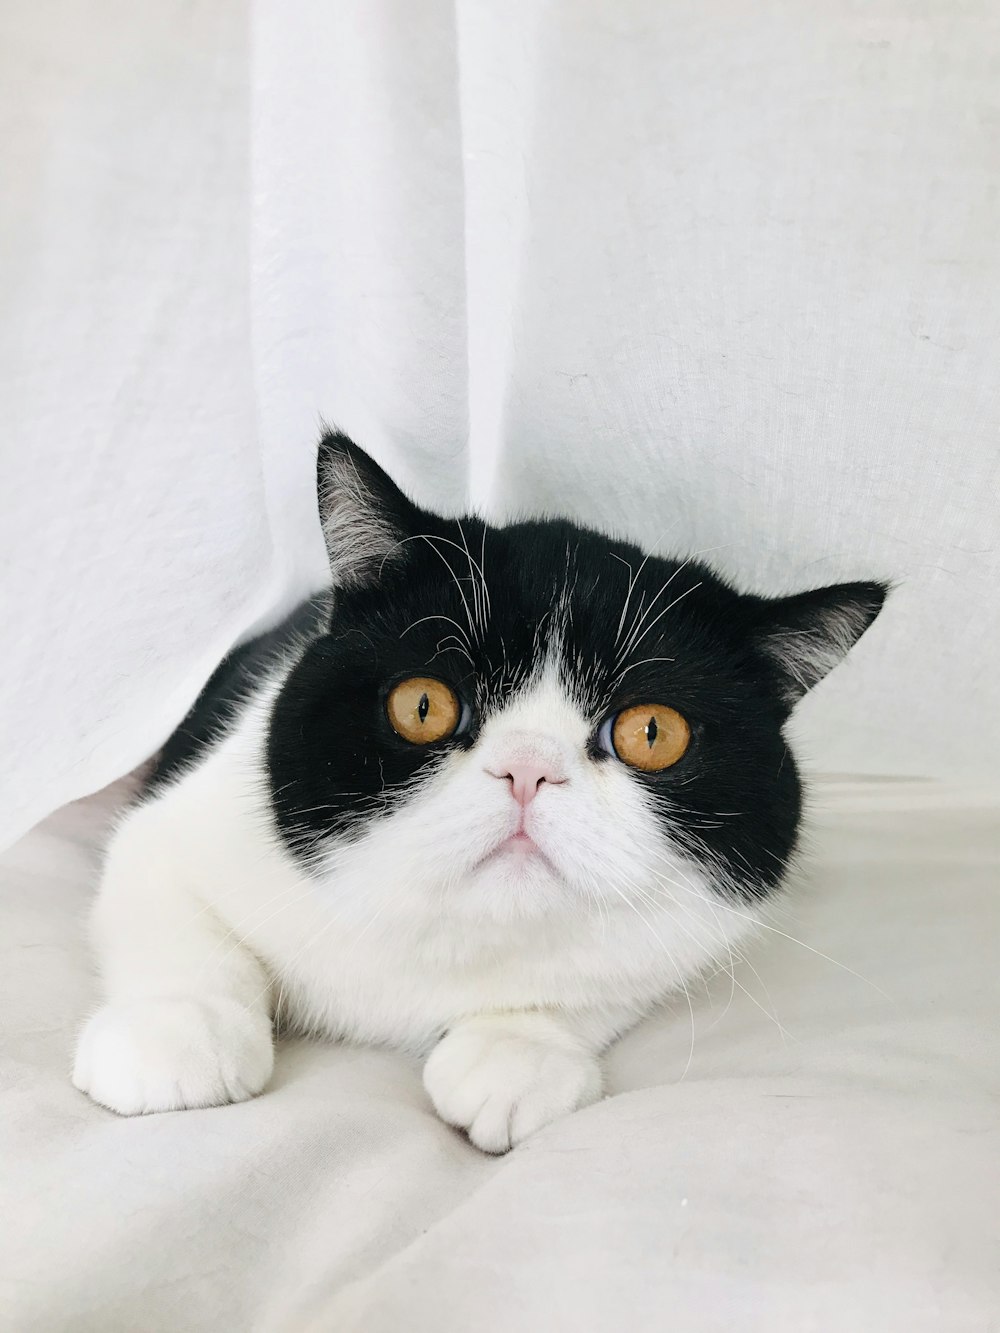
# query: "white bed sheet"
(841, 1174)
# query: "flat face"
(533, 717)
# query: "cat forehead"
(548, 569)
(573, 615)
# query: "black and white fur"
(294, 857)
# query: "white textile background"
(725, 276)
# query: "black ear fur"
(365, 516)
(806, 635)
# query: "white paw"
(146, 1055)
(501, 1079)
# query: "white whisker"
(449, 619)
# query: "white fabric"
(838, 1171)
(723, 276)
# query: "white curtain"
(725, 276)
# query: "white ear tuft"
(807, 635)
(364, 514)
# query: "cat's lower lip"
(520, 844)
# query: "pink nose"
(526, 779)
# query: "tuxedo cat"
(489, 800)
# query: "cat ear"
(805, 636)
(365, 516)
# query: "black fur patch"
(234, 680)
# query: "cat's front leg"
(501, 1077)
(186, 1020)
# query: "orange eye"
(423, 710)
(650, 737)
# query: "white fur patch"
(427, 923)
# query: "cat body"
(490, 801)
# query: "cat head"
(511, 721)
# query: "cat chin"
(516, 882)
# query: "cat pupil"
(651, 730)
(423, 708)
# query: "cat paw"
(501, 1079)
(146, 1055)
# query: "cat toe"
(501, 1087)
(140, 1056)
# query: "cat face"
(520, 721)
